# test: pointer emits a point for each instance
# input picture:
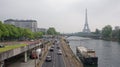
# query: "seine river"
(108, 52)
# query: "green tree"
(15, 31)
(107, 32)
(27, 33)
(114, 34)
(38, 34)
(51, 31)
(119, 35)
(21, 32)
(4, 30)
(0, 33)
(11, 32)
(97, 31)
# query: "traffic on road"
(54, 57)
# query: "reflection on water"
(108, 52)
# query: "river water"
(108, 52)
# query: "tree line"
(52, 31)
(10, 32)
(108, 33)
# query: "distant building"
(41, 30)
(30, 24)
(117, 27)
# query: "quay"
(70, 59)
(67, 59)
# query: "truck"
(36, 54)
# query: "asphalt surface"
(30, 63)
(57, 60)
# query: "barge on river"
(87, 56)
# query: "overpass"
(25, 50)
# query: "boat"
(87, 56)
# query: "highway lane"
(48, 64)
(57, 60)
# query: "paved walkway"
(30, 63)
(70, 58)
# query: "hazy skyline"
(66, 16)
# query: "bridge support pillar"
(1, 63)
(25, 56)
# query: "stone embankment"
(69, 57)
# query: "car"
(59, 52)
(58, 47)
(31, 40)
(2, 46)
(52, 46)
(48, 58)
(33, 55)
(51, 49)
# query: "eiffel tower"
(86, 26)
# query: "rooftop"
(14, 20)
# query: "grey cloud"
(64, 15)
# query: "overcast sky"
(65, 15)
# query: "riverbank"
(69, 57)
(108, 39)
(111, 39)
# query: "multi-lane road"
(57, 60)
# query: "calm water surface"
(108, 52)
